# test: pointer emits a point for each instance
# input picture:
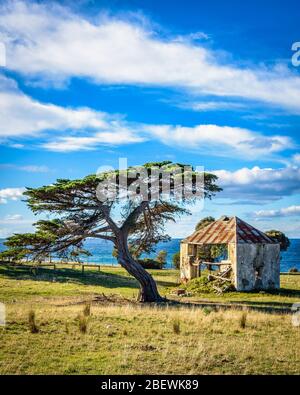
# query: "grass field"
(119, 336)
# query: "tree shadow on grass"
(65, 275)
(282, 293)
(264, 302)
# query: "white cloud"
(68, 144)
(219, 140)
(224, 140)
(195, 36)
(283, 212)
(13, 218)
(2, 55)
(212, 106)
(16, 145)
(198, 36)
(27, 168)
(86, 129)
(34, 169)
(296, 158)
(49, 42)
(21, 115)
(10, 194)
(259, 184)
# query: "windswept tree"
(127, 207)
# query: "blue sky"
(205, 83)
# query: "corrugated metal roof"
(229, 230)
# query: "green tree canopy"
(204, 222)
(161, 257)
(176, 260)
(280, 237)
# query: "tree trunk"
(148, 288)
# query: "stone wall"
(187, 257)
(257, 266)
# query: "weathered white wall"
(257, 266)
(187, 257)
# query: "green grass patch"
(21, 284)
(71, 332)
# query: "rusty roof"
(229, 230)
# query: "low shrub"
(207, 310)
(82, 324)
(87, 310)
(31, 322)
(202, 285)
(243, 320)
(199, 285)
(176, 326)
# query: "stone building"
(253, 258)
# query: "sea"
(101, 251)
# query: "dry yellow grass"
(132, 339)
(129, 338)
